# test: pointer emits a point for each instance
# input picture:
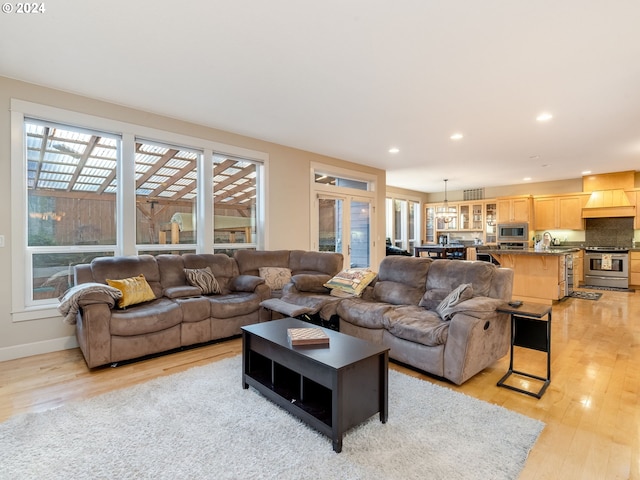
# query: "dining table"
(456, 251)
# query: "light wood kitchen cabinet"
(634, 268)
(477, 217)
(559, 212)
(515, 209)
(471, 216)
(634, 199)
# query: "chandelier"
(444, 212)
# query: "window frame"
(23, 309)
(411, 236)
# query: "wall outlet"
(1, 240)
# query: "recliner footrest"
(285, 308)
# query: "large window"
(403, 223)
(71, 199)
(85, 187)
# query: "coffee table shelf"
(331, 388)
(312, 398)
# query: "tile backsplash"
(609, 232)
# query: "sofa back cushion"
(324, 263)
(223, 267)
(171, 270)
(446, 275)
(250, 261)
(401, 280)
(117, 268)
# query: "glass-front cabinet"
(447, 219)
(471, 215)
(472, 220)
(490, 213)
(430, 224)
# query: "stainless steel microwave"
(513, 232)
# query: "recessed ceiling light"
(394, 150)
(586, 172)
(544, 117)
(456, 136)
(527, 179)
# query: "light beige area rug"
(201, 424)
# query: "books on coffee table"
(307, 336)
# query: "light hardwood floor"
(591, 409)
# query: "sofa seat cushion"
(145, 318)
(363, 313)
(194, 309)
(417, 325)
(234, 304)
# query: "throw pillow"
(204, 279)
(460, 294)
(134, 290)
(275, 277)
(350, 282)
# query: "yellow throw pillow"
(134, 290)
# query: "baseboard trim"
(37, 348)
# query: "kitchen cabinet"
(430, 224)
(477, 217)
(515, 209)
(490, 214)
(471, 215)
(559, 212)
(634, 199)
(634, 268)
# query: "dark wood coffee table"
(331, 388)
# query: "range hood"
(608, 197)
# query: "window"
(166, 194)
(403, 223)
(234, 203)
(71, 199)
(84, 187)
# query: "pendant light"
(444, 213)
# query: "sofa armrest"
(475, 340)
(245, 283)
(94, 298)
(478, 307)
(307, 282)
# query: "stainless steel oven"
(606, 267)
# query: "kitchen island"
(540, 276)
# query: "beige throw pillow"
(275, 277)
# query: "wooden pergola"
(75, 165)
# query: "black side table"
(529, 329)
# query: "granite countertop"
(531, 251)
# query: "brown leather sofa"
(180, 315)
(399, 312)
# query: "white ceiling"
(352, 78)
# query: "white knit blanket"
(69, 302)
